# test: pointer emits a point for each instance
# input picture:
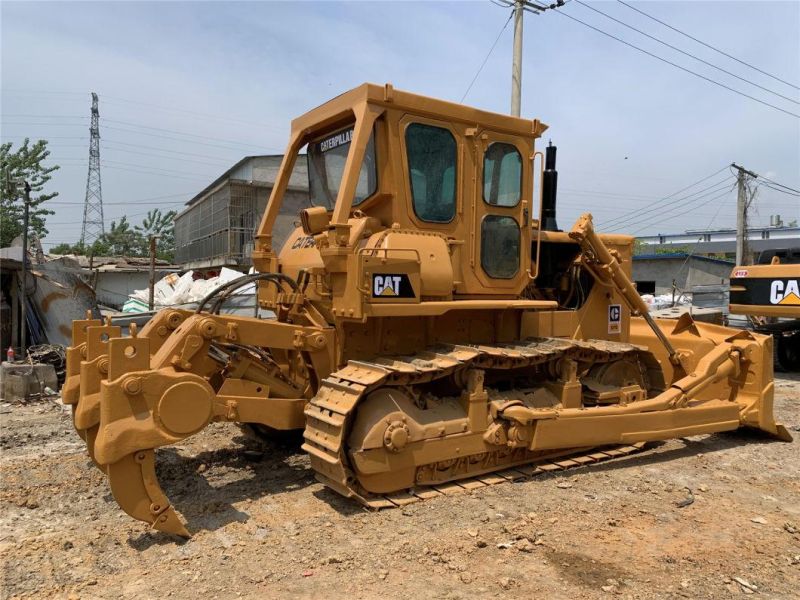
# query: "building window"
(432, 171)
(502, 175)
(500, 246)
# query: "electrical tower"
(93, 224)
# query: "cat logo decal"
(388, 285)
(784, 292)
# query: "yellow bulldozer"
(431, 325)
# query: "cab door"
(502, 211)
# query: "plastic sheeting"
(174, 290)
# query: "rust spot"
(50, 297)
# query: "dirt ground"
(263, 527)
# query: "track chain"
(327, 414)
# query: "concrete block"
(20, 382)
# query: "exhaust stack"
(549, 189)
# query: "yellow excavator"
(431, 326)
(769, 294)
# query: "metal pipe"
(24, 295)
(151, 298)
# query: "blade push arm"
(599, 260)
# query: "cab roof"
(342, 108)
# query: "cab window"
(500, 246)
(431, 155)
(502, 175)
(326, 160)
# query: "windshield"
(326, 160)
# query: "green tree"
(99, 248)
(26, 163)
(161, 225)
(65, 248)
(122, 239)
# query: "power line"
(139, 214)
(678, 203)
(114, 99)
(117, 99)
(240, 148)
(777, 189)
(679, 206)
(668, 45)
(50, 124)
(145, 172)
(488, 54)
(680, 191)
(700, 237)
(607, 194)
(676, 65)
(184, 133)
(106, 162)
(106, 120)
(199, 162)
(25, 116)
(219, 158)
(779, 184)
(707, 45)
(150, 200)
(713, 218)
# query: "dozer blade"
(135, 488)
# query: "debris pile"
(50, 354)
(175, 290)
(665, 301)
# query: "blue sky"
(630, 129)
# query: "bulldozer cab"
(414, 200)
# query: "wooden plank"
(492, 479)
(512, 475)
(378, 502)
(529, 470)
(471, 484)
(449, 489)
(426, 493)
(402, 498)
(614, 452)
(599, 455)
(549, 466)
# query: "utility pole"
(24, 286)
(93, 224)
(741, 214)
(519, 7)
(516, 65)
(151, 299)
